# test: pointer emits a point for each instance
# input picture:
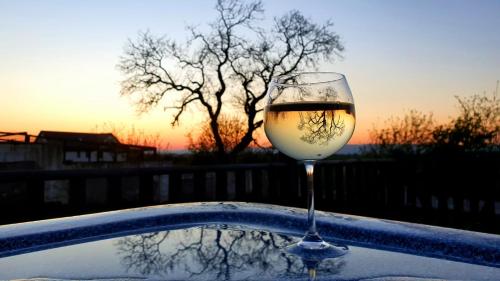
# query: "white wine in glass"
(310, 130)
(310, 116)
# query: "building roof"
(15, 137)
(88, 141)
(75, 137)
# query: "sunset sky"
(58, 58)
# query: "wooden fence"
(463, 194)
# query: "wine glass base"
(316, 250)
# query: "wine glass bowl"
(309, 116)
(309, 120)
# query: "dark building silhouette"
(60, 150)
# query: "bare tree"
(228, 68)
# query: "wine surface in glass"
(309, 130)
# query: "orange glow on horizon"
(170, 138)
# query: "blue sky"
(400, 55)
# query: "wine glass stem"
(311, 221)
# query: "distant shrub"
(411, 134)
(475, 129)
(231, 130)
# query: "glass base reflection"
(313, 248)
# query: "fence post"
(256, 193)
(199, 183)
(36, 196)
(175, 187)
(77, 193)
(220, 185)
(114, 191)
(274, 183)
(240, 184)
(319, 187)
(146, 191)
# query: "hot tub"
(238, 241)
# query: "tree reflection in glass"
(216, 253)
(320, 127)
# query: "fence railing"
(465, 195)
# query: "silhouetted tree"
(228, 68)
(410, 135)
(477, 127)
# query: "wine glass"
(309, 116)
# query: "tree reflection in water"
(215, 252)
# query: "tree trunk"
(219, 144)
(248, 137)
